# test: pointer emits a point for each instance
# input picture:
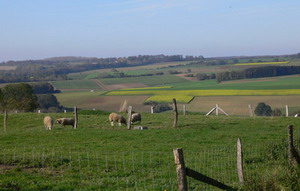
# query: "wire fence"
(74, 169)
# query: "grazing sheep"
(136, 117)
(114, 117)
(48, 122)
(66, 121)
(297, 115)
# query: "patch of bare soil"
(8, 67)
(115, 103)
(122, 86)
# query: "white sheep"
(66, 121)
(48, 122)
(114, 117)
(297, 115)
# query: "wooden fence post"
(184, 109)
(217, 109)
(250, 110)
(180, 170)
(76, 117)
(175, 113)
(293, 154)
(5, 120)
(129, 111)
(286, 110)
(239, 161)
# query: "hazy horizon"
(44, 29)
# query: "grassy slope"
(94, 131)
(148, 80)
(69, 157)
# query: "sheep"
(114, 117)
(136, 117)
(66, 121)
(297, 115)
(48, 122)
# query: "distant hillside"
(57, 68)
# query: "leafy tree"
(263, 109)
(162, 107)
(19, 97)
(45, 101)
(43, 88)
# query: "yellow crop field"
(187, 95)
(149, 88)
(169, 98)
(259, 63)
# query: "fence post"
(152, 109)
(286, 110)
(239, 159)
(76, 117)
(184, 109)
(175, 112)
(217, 109)
(250, 110)
(5, 120)
(180, 170)
(292, 152)
(129, 110)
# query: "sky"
(37, 29)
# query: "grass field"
(75, 85)
(282, 82)
(99, 157)
(148, 80)
(260, 63)
(71, 99)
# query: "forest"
(258, 72)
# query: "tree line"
(27, 98)
(258, 72)
(58, 68)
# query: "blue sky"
(35, 29)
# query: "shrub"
(162, 107)
(263, 109)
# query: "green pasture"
(282, 82)
(97, 156)
(71, 99)
(148, 80)
(75, 84)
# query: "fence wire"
(74, 169)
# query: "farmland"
(260, 63)
(148, 80)
(75, 85)
(276, 91)
(99, 157)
